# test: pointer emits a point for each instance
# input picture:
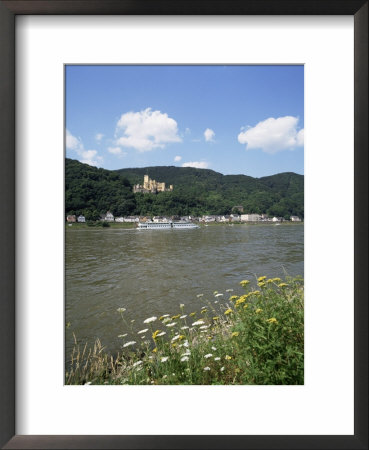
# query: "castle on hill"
(150, 186)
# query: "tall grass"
(256, 338)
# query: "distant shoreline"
(128, 225)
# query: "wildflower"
(185, 344)
(88, 383)
(167, 319)
(183, 316)
(192, 314)
(261, 284)
(272, 320)
(221, 369)
(171, 324)
(240, 301)
(204, 327)
(185, 327)
(155, 334)
(216, 318)
(269, 281)
(261, 278)
(132, 320)
(218, 295)
(165, 376)
(213, 348)
(181, 305)
(258, 310)
(246, 306)
(184, 358)
(199, 295)
(206, 368)
(138, 363)
(127, 344)
(235, 333)
(215, 292)
(276, 280)
(155, 350)
(161, 334)
(209, 355)
(244, 283)
(229, 311)
(175, 317)
(150, 319)
(233, 297)
(217, 358)
(229, 290)
(123, 335)
(186, 353)
(142, 331)
(282, 285)
(164, 358)
(216, 301)
(228, 357)
(175, 337)
(121, 310)
(203, 311)
(163, 316)
(174, 344)
(199, 322)
(255, 292)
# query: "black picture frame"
(8, 11)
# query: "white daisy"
(199, 295)
(213, 348)
(123, 335)
(185, 327)
(209, 355)
(218, 295)
(171, 324)
(121, 310)
(177, 336)
(185, 344)
(127, 344)
(229, 290)
(184, 358)
(222, 368)
(204, 327)
(217, 358)
(198, 322)
(162, 333)
(142, 331)
(164, 358)
(184, 316)
(150, 319)
(206, 368)
(138, 363)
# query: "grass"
(256, 338)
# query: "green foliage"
(92, 192)
(256, 338)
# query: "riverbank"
(253, 338)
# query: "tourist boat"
(166, 225)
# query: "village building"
(150, 186)
(81, 219)
(71, 218)
(250, 217)
(295, 219)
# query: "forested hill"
(91, 191)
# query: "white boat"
(166, 225)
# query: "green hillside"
(91, 191)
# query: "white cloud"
(90, 157)
(116, 151)
(187, 131)
(72, 142)
(99, 136)
(196, 164)
(177, 158)
(209, 135)
(146, 130)
(273, 135)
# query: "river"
(152, 272)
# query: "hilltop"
(92, 191)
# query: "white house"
(81, 219)
(109, 217)
(295, 219)
(275, 219)
(250, 217)
(119, 219)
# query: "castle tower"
(146, 184)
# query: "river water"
(152, 272)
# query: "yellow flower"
(174, 344)
(258, 310)
(181, 337)
(155, 350)
(240, 301)
(175, 317)
(261, 278)
(246, 306)
(235, 333)
(276, 280)
(216, 318)
(192, 314)
(228, 357)
(261, 284)
(203, 311)
(281, 285)
(255, 292)
(244, 283)
(272, 320)
(229, 311)
(233, 297)
(269, 281)
(155, 333)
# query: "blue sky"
(231, 119)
